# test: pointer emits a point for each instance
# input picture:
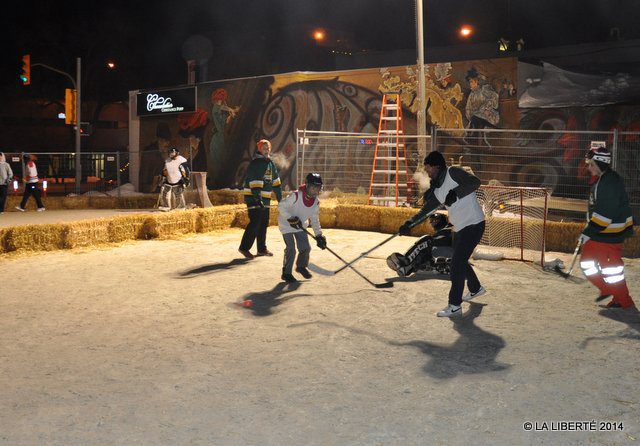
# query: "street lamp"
(466, 31)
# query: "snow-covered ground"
(145, 343)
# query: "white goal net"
(516, 221)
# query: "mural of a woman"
(192, 126)
(221, 115)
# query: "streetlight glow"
(319, 35)
(466, 31)
(111, 64)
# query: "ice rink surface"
(146, 343)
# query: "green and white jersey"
(261, 181)
(609, 218)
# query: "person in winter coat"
(6, 175)
(295, 212)
(609, 223)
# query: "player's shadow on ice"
(629, 317)
(474, 351)
(261, 304)
(206, 269)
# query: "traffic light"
(85, 129)
(70, 97)
(25, 73)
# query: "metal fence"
(101, 171)
(552, 159)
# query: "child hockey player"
(176, 177)
(295, 211)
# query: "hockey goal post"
(515, 221)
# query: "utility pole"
(76, 85)
(422, 121)
(78, 124)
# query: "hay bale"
(359, 217)
(105, 202)
(562, 236)
(3, 239)
(215, 218)
(226, 196)
(631, 247)
(129, 227)
(76, 202)
(392, 218)
(174, 223)
(86, 233)
(45, 237)
(327, 216)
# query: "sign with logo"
(167, 101)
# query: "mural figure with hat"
(31, 181)
(221, 115)
(609, 224)
(192, 126)
(481, 109)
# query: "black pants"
(257, 228)
(31, 189)
(3, 196)
(464, 242)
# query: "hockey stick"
(388, 239)
(377, 285)
(573, 262)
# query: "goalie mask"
(173, 152)
(438, 221)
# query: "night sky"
(253, 37)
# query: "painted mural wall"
(220, 136)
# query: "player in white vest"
(295, 212)
(31, 181)
(455, 188)
(176, 177)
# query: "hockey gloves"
(321, 240)
(451, 198)
(405, 229)
(295, 223)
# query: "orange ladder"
(390, 173)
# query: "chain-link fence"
(99, 171)
(551, 159)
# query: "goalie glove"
(295, 222)
(321, 240)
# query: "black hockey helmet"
(313, 179)
(438, 221)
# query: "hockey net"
(516, 221)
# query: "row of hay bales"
(45, 237)
(143, 201)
